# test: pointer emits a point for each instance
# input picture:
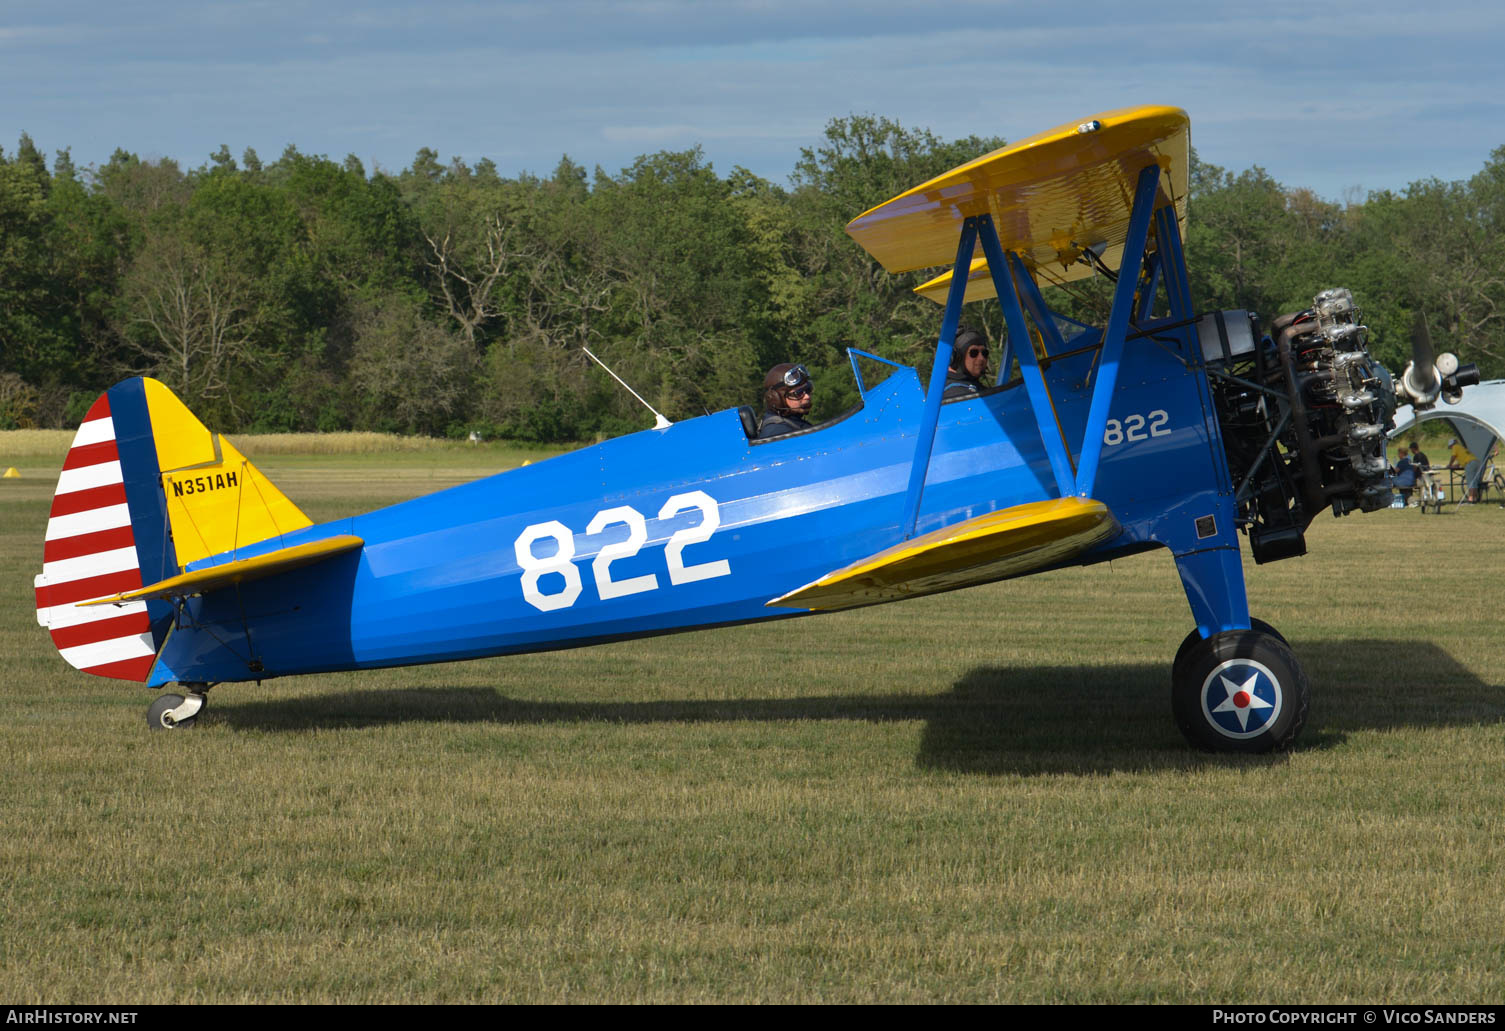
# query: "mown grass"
(973, 797)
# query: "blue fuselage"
(695, 526)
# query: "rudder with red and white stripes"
(91, 552)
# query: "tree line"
(306, 294)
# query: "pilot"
(786, 400)
(969, 363)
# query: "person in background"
(1419, 458)
(969, 364)
(1404, 473)
(786, 400)
(1460, 457)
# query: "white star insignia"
(1246, 688)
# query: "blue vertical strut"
(932, 413)
(1151, 278)
(1029, 365)
(1177, 288)
(1038, 309)
(1117, 329)
(1211, 569)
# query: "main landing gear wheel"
(1195, 637)
(1239, 691)
(175, 711)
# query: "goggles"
(796, 375)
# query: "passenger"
(1460, 457)
(786, 401)
(1405, 474)
(969, 362)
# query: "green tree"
(1437, 249)
(409, 375)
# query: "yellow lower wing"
(1009, 542)
(201, 580)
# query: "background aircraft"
(170, 559)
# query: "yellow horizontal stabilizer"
(201, 581)
(1009, 542)
(1051, 196)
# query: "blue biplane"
(171, 560)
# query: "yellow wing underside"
(1009, 542)
(1052, 196)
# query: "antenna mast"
(659, 422)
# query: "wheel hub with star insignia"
(1239, 690)
(1240, 698)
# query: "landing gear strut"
(177, 711)
(1239, 691)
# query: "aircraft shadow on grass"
(1022, 720)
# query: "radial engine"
(1305, 412)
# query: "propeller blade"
(1423, 367)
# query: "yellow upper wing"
(1051, 197)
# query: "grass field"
(974, 797)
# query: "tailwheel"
(178, 712)
(1239, 691)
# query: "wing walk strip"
(90, 552)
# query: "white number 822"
(534, 567)
(1137, 427)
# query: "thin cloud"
(1378, 94)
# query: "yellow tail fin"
(217, 500)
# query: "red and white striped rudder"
(90, 552)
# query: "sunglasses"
(803, 391)
(978, 352)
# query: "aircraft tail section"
(145, 490)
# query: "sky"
(1339, 97)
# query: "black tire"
(1240, 691)
(1195, 637)
(156, 714)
